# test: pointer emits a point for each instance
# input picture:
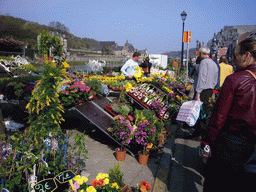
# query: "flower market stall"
(135, 114)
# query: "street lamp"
(183, 17)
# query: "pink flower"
(67, 92)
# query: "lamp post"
(183, 17)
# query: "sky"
(155, 25)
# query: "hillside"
(27, 32)
(177, 54)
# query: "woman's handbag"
(234, 150)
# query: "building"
(223, 42)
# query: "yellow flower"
(128, 87)
(80, 181)
(82, 190)
(65, 64)
(51, 74)
(85, 179)
(77, 177)
(91, 189)
(150, 146)
(115, 185)
(106, 181)
(100, 176)
(71, 184)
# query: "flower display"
(144, 135)
(78, 184)
(101, 183)
(73, 91)
(144, 186)
(122, 130)
(95, 66)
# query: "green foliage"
(13, 90)
(7, 58)
(46, 41)
(44, 107)
(95, 85)
(5, 81)
(115, 175)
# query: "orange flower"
(146, 184)
(94, 183)
(143, 188)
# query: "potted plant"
(144, 186)
(74, 92)
(122, 130)
(144, 135)
(116, 177)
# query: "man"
(208, 73)
(129, 68)
(146, 66)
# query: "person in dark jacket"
(231, 132)
(146, 66)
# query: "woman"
(231, 132)
(225, 69)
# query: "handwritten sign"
(65, 176)
(49, 185)
(46, 185)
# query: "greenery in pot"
(116, 176)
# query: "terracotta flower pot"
(120, 155)
(143, 159)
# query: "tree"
(58, 26)
(46, 41)
(107, 49)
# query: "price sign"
(65, 176)
(49, 185)
(46, 185)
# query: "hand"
(197, 97)
(129, 76)
(204, 156)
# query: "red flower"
(101, 182)
(146, 184)
(94, 183)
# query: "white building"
(159, 59)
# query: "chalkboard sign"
(65, 176)
(49, 185)
(46, 185)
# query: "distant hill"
(177, 54)
(27, 32)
